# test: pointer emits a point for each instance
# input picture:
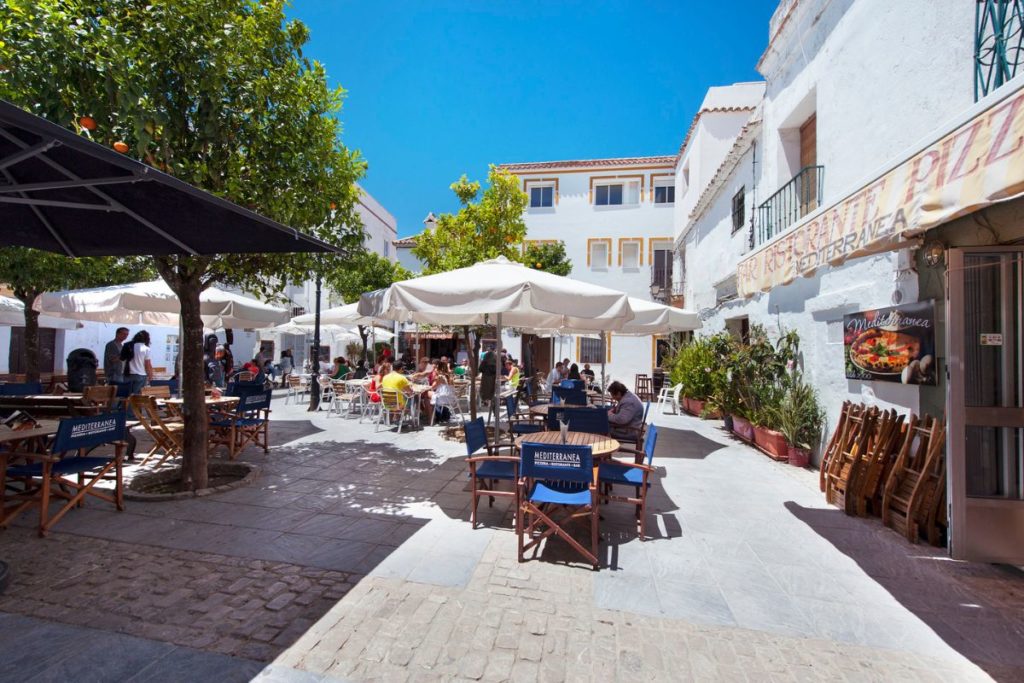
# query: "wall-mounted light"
(934, 253)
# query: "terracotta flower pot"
(742, 428)
(799, 457)
(692, 406)
(773, 443)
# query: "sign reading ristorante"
(977, 164)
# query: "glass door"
(985, 407)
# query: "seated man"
(422, 373)
(554, 377)
(587, 373)
(462, 368)
(396, 381)
(627, 415)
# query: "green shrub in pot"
(800, 414)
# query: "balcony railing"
(998, 43)
(661, 277)
(793, 201)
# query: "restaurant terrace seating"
(159, 391)
(248, 424)
(167, 435)
(486, 471)
(395, 409)
(68, 471)
(557, 488)
(636, 475)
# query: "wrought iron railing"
(662, 277)
(793, 201)
(998, 43)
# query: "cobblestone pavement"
(351, 558)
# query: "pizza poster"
(895, 344)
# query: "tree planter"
(164, 485)
(772, 443)
(742, 428)
(799, 457)
(696, 408)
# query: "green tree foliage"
(30, 272)
(482, 229)
(215, 92)
(363, 273)
(547, 256)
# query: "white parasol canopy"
(649, 318)
(12, 314)
(339, 315)
(523, 297)
(153, 303)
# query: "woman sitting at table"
(287, 366)
(373, 388)
(441, 395)
(340, 368)
(512, 370)
(574, 372)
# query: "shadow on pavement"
(977, 609)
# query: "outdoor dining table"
(542, 409)
(601, 446)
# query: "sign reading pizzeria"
(979, 163)
(895, 344)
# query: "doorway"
(985, 404)
(536, 354)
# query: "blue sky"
(441, 88)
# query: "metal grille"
(793, 201)
(998, 43)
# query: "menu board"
(895, 344)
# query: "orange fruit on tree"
(333, 206)
(121, 147)
(539, 265)
(87, 122)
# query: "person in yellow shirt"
(513, 374)
(396, 381)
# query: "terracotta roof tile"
(405, 242)
(666, 160)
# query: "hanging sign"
(977, 164)
(895, 344)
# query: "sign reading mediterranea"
(895, 344)
(976, 165)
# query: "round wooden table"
(601, 446)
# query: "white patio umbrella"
(153, 303)
(503, 291)
(347, 314)
(12, 314)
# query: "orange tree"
(215, 92)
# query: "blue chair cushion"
(65, 466)
(612, 473)
(543, 492)
(249, 422)
(496, 470)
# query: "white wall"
(879, 76)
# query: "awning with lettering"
(969, 166)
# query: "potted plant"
(691, 367)
(767, 421)
(801, 419)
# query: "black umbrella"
(64, 193)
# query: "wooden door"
(47, 350)
(808, 187)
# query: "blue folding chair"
(553, 478)
(485, 471)
(614, 472)
(21, 388)
(57, 475)
(590, 420)
(172, 384)
(555, 415)
(249, 424)
(520, 424)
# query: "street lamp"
(657, 291)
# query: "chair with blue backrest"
(485, 471)
(591, 420)
(58, 475)
(519, 424)
(615, 473)
(555, 415)
(21, 388)
(556, 478)
(570, 396)
(248, 424)
(171, 384)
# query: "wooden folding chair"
(55, 475)
(486, 471)
(556, 478)
(102, 396)
(835, 440)
(167, 436)
(249, 424)
(916, 483)
(159, 391)
(637, 474)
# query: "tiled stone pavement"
(749, 576)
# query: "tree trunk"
(474, 367)
(185, 280)
(31, 336)
(364, 335)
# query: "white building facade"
(615, 219)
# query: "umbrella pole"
(497, 381)
(604, 356)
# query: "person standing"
(137, 361)
(554, 377)
(287, 366)
(113, 366)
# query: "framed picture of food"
(895, 344)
